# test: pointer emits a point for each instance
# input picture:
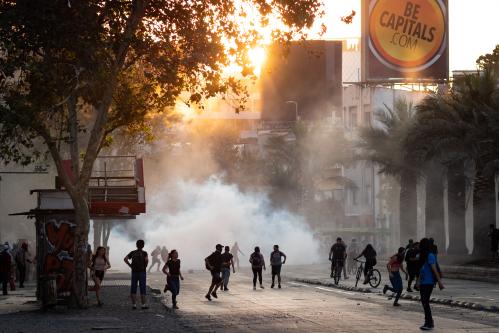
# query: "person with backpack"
(99, 264)
(214, 264)
(412, 266)
(276, 263)
(227, 262)
(393, 266)
(5, 265)
(138, 264)
(173, 276)
(257, 263)
(428, 276)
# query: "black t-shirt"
(138, 258)
(173, 266)
(226, 258)
(338, 251)
(215, 260)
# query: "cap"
(219, 246)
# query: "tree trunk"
(484, 210)
(434, 210)
(82, 218)
(408, 207)
(456, 198)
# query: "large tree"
(72, 72)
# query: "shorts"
(140, 278)
(99, 275)
(215, 277)
(276, 269)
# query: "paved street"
(298, 307)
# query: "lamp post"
(296, 109)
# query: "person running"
(337, 256)
(21, 257)
(410, 244)
(164, 254)
(393, 266)
(235, 252)
(412, 265)
(155, 259)
(428, 277)
(227, 262)
(494, 241)
(173, 276)
(276, 263)
(257, 263)
(139, 261)
(370, 255)
(353, 251)
(99, 265)
(214, 265)
(5, 265)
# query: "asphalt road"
(306, 308)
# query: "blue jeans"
(140, 278)
(225, 276)
(397, 285)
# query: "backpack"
(256, 260)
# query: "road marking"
(299, 284)
(335, 291)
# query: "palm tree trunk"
(484, 210)
(408, 206)
(456, 194)
(434, 209)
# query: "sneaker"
(262, 287)
(144, 307)
(409, 290)
(134, 307)
(279, 286)
(396, 304)
(272, 285)
(208, 297)
(222, 288)
(426, 328)
(214, 294)
(385, 288)
(175, 306)
(226, 289)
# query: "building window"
(352, 116)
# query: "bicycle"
(373, 275)
(336, 269)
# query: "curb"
(442, 301)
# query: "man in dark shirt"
(337, 255)
(214, 265)
(5, 266)
(412, 264)
(138, 264)
(227, 262)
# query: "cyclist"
(370, 254)
(337, 255)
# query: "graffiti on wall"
(59, 257)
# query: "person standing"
(353, 252)
(276, 263)
(393, 266)
(139, 261)
(164, 254)
(337, 256)
(99, 265)
(494, 241)
(227, 262)
(428, 277)
(155, 259)
(173, 276)
(412, 264)
(21, 257)
(214, 265)
(257, 263)
(235, 252)
(5, 265)
(370, 254)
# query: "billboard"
(404, 40)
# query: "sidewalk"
(21, 299)
(462, 293)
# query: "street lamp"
(296, 108)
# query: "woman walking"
(370, 254)
(394, 265)
(173, 276)
(257, 263)
(428, 277)
(99, 265)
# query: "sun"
(257, 57)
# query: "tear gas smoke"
(193, 217)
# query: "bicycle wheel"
(337, 274)
(359, 274)
(375, 278)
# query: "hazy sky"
(473, 25)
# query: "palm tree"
(383, 145)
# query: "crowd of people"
(15, 265)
